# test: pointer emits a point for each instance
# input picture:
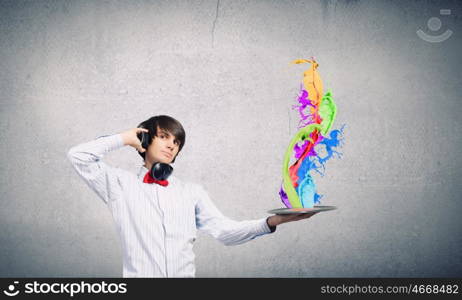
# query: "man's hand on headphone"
(130, 138)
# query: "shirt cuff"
(271, 228)
(264, 228)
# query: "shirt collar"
(143, 170)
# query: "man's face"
(164, 147)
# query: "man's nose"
(170, 144)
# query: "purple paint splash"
(306, 189)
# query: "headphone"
(159, 171)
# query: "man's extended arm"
(230, 232)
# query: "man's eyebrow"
(161, 131)
(164, 132)
(168, 134)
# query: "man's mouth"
(167, 154)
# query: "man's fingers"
(140, 148)
(306, 216)
(298, 216)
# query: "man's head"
(167, 138)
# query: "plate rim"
(286, 211)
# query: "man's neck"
(148, 165)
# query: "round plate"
(286, 211)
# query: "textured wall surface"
(75, 70)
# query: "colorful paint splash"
(313, 145)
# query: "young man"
(157, 220)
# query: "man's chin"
(162, 160)
(165, 161)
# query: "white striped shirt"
(156, 224)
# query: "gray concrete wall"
(74, 70)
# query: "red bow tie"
(148, 179)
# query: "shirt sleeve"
(230, 232)
(100, 177)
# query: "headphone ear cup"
(144, 138)
(161, 171)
